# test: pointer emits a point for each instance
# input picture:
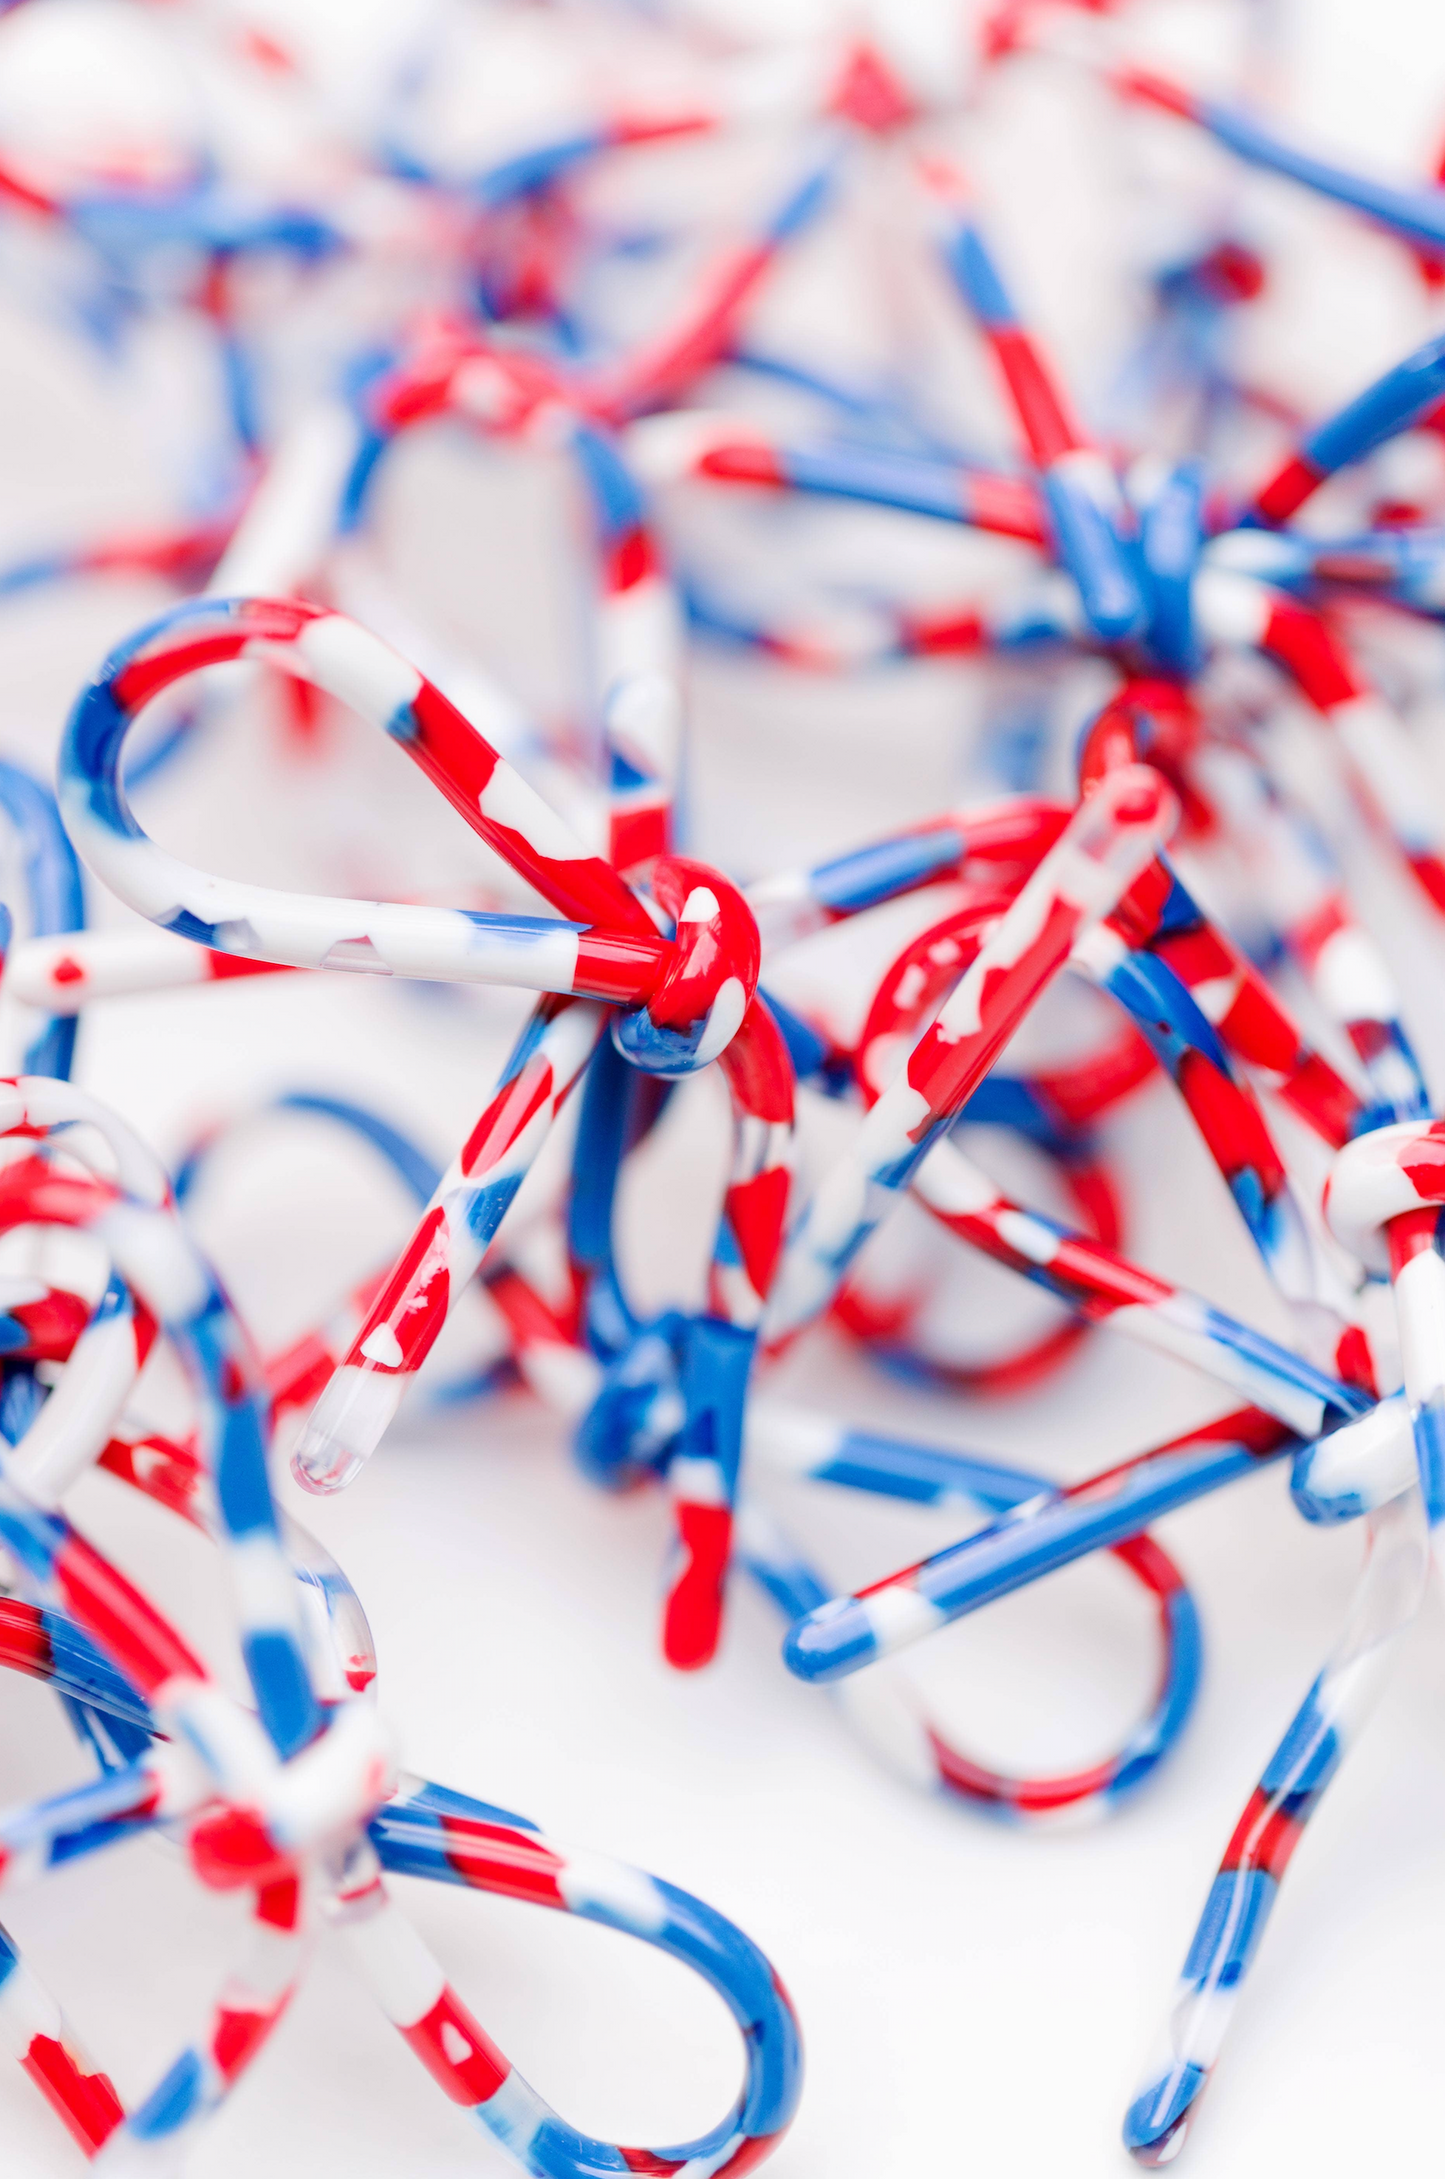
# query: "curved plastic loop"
(698, 1003)
(624, 959)
(886, 1710)
(909, 989)
(1383, 1176)
(136, 1221)
(1111, 838)
(449, 1837)
(891, 1327)
(401, 1155)
(264, 1841)
(609, 947)
(1384, 1196)
(638, 628)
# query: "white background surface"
(973, 1998)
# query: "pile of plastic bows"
(1197, 632)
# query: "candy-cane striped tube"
(1383, 1201)
(1343, 1476)
(1114, 834)
(879, 632)
(434, 1833)
(1292, 870)
(891, 1327)
(64, 973)
(808, 81)
(1243, 1894)
(38, 1322)
(638, 664)
(49, 1645)
(718, 1348)
(1110, 1290)
(447, 1836)
(1080, 1271)
(846, 1633)
(282, 1809)
(185, 555)
(295, 1376)
(1087, 511)
(1396, 401)
(909, 988)
(36, 2033)
(242, 2014)
(136, 1222)
(307, 931)
(1173, 944)
(430, 1832)
(59, 1441)
(643, 1414)
(1221, 1104)
(1237, 610)
(78, 1419)
(615, 952)
(1416, 215)
(447, 1245)
(1001, 842)
(663, 367)
(884, 1709)
(1402, 566)
(730, 450)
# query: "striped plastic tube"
(884, 1709)
(1292, 872)
(695, 1013)
(1236, 610)
(703, 1474)
(661, 368)
(306, 931)
(447, 1836)
(1083, 1271)
(136, 1221)
(1243, 1894)
(1383, 1201)
(1001, 842)
(737, 451)
(404, 1320)
(638, 646)
(1113, 835)
(1415, 215)
(1087, 511)
(1399, 399)
(841, 1636)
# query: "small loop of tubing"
(908, 990)
(1112, 836)
(890, 1327)
(1380, 1177)
(135, 1219)
(697, 1005)
(304, 1809)
(885, 1709)
(1385, 1194)
(631, 1432)
(607, 947)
